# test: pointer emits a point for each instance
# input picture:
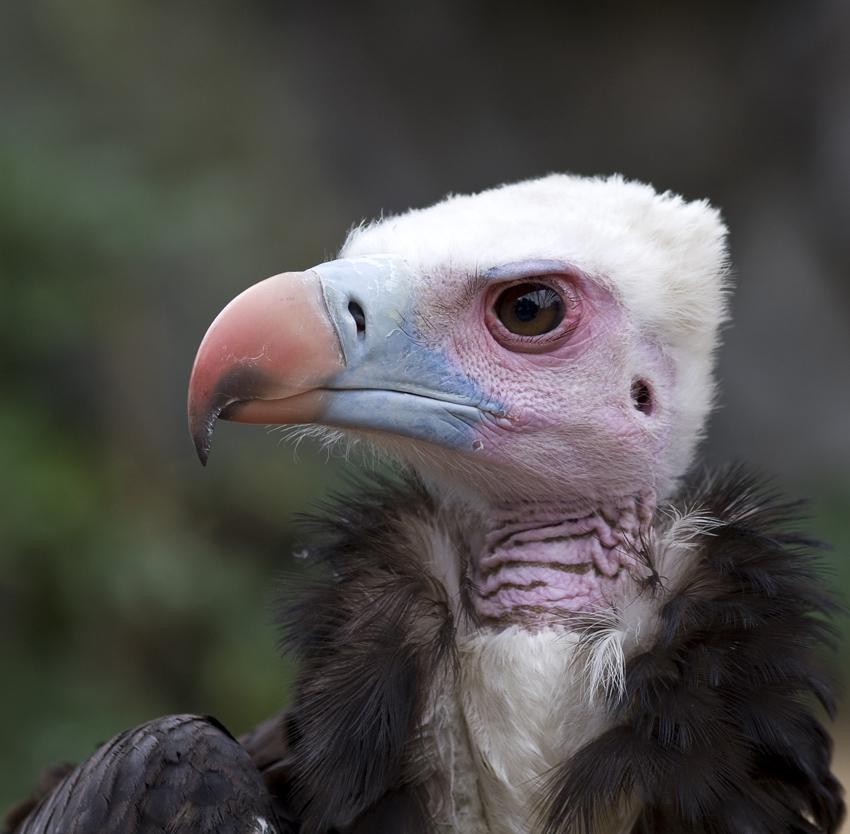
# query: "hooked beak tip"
(202, 432)
(202, 447)
(238, 384)
(202, 422)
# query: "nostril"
(356, 312)
(641, 396)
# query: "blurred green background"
(158, 157)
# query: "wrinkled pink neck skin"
(550, 567)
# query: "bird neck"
(547, 563)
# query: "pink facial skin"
(588, 414)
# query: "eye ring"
(533, 315)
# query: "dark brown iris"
(530, 309)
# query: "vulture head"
(541, 353)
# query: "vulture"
(544, 619)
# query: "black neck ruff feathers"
(716, 732)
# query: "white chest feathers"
(517, 707)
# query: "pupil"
(526, 308)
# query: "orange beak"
(264, 358)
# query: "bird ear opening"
(642, 397)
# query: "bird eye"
(530, 309)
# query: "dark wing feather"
(716, 733)
(182, 773)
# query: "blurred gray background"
(158, 157)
